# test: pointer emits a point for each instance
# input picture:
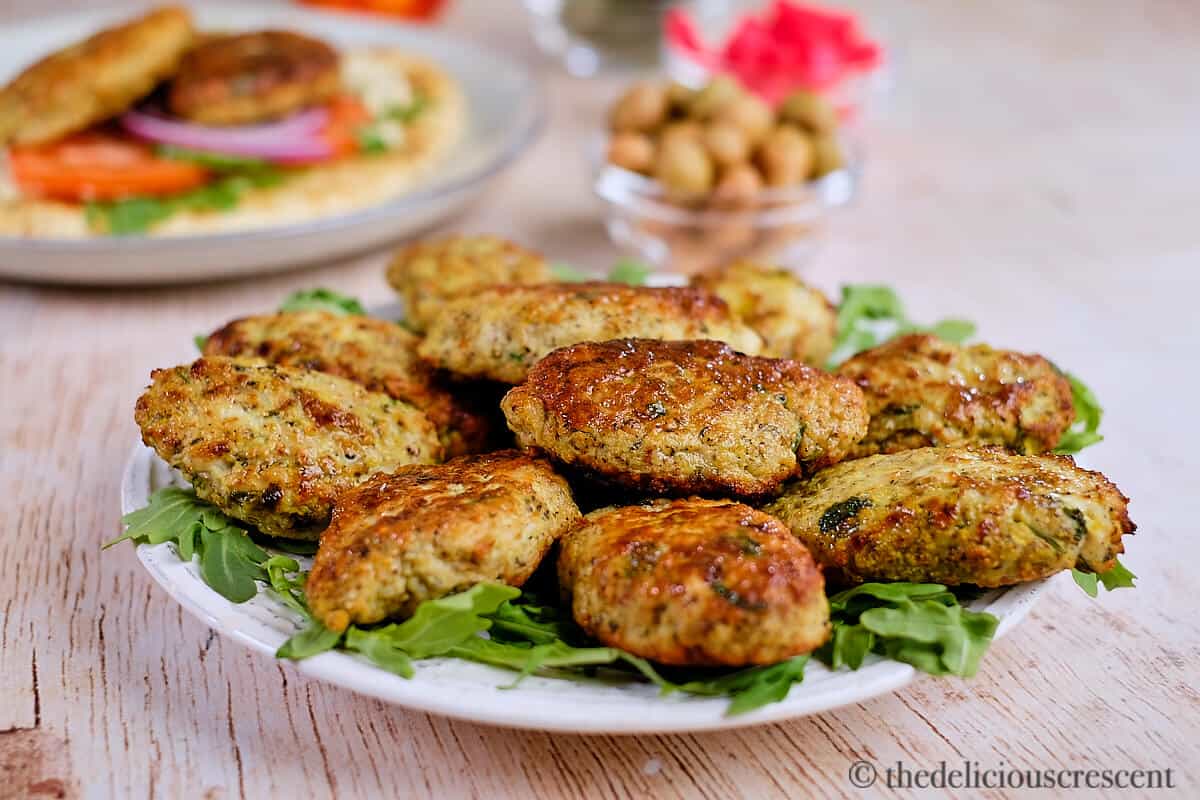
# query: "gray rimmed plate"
(506, 113)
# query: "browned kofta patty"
(252, 77)
(95, 79)
(429, 273)
(794, 319)
(957, 515)
(275, 446)
(923, 391)
(684, 417)
(374, 353)
(425, 532)
(694, 582)
(499, 333)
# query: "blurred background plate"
(506, 113)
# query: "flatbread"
(328, 190)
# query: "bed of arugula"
(925, 625)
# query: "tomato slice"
(100, 166)
(347, 115)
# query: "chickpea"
(632, 151)
(642, 108)
(684, 129)
(827, 155)
(786, 156)
(738, 187)
(713, 97)
(809, 110)
(750, 114)
(684, 167)
(726, 143)
(679, 97)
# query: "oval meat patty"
(274, 446)
(684, 417)
(794, 319)
(922, 391)
(429, 273)
(253, 77)
(95, 79)
(955, 515)
(694, 582)
(425, 532)
(499, 333)
(377, 354)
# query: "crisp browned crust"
(794, 319)
(252, 77)
(923, 391)
(694, 582)
(426, 274)
(374, 353)
(683, 417)
(499, 333)
(957, 515)
(275, 446)
(95, 79)
(426, 532)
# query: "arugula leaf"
(311, 641)
(321, 299)
(410, 112)
(221, 162)
(566, 273)
(1088, 413)
(439, 625)
(290, 591)
(230, 562)
(871, 314)
(380, 650)
(630, 271)
(1118, 577)
(134, 215)
(200, 339)
(921, 624)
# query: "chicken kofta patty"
(794, 319)
(499, 333)
(957, 516)
(427, 274)
(424, 532)
(923, 391)
(684, 417)
(105, 74)
(274, 446)
(253, 77)
(375, 353)
(694, 582)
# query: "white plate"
(506, 110)
(466, 690)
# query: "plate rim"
(523, 138)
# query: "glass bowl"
(780, 226)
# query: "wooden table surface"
(1038, 170)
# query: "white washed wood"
(1037, 170)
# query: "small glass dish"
(780, 226)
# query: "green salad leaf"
(630, 271)
(1084, 432)
(218, 162)
(134, 215)
(230, 562)
(321, 299)
(626, 270)
(921, 624)
(871, 314)
(1119, 577)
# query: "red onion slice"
(292, 140)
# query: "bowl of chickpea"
(693, 178)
